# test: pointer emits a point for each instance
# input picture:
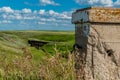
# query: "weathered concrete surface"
(80, 16)
(100, 64)
(94, 62)
(104, 15)
(98, 57)
(97, 14)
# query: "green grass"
(63, 40)
(11, 42)
(19, 61)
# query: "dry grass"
(25, 68)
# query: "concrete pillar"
(97, 38)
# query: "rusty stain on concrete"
(104, 15)
(97, 14)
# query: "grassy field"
(19, 61)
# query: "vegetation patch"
(52, 61)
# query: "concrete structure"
(97, 34)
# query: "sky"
(44, 14)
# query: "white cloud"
(48, 2)
(15, 16)
(51, 12)
(25, 10)
(41, 17)
(65, 16)
(42, 11)
(18, 16)
(4, 16)
(117, 3)
(6, 9)
(82, 2)
(41, 22)
(5, 21)
(107, 3)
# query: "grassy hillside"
(15, 51)
(11, 42)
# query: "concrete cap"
(97, 14)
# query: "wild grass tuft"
(25, 68)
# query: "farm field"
(20, 61)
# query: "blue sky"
(44, 14)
